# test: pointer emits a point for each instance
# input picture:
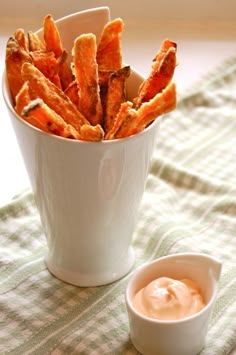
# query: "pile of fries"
(85, 99)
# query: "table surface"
(201, 47)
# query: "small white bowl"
(178, 337)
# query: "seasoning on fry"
(15, 57)
(46, 62)
(86, 73)
(115, 96)
(22, 39)
(122, 117)
(92, 133)
(23, 98)
(35, 43)
(162, 103)
(161, 74)
(48, 120)
(72, 91)
(53, 96)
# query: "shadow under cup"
(88, 196)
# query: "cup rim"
(147, 265)
(10, 107)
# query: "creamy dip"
(169, 299)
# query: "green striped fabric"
(189, 205)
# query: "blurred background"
(210, 11)
(204, 30)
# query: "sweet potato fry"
(70, 132)
(53, 43)
(72, 91)
(15, 57)
(53, 96)
(46, 62)
(165, 46)
(125, 129)
(124, 114)
(116, 95)
(64, 71)
(48, 120)
(103, 78)
(22, 98)
(85, 99)
(22, 39)
(109, 55)
(162, 103)
(35, 43)
(135, 121)
(161, 74)
(86, 74)
(92, 133)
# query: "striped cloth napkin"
(189, 205)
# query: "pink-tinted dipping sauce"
(169, 299)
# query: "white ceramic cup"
(87, 193)
(178, 337)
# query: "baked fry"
(161, 74)
(85, 99)
(122, 116)
(86, 74)
(103, 78)
(16, 56)
(53, 96)
(53, 42)
(134, 121)
(22, 98)
(46, 62)
(92, 133)
(116, 95)
(162, 103)
(109, 55)
(165, 46)
(48, 120)
(64, 71)
(72, 91)
(52, 36)
(125, 129)
(22, 39)
(35, 43)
